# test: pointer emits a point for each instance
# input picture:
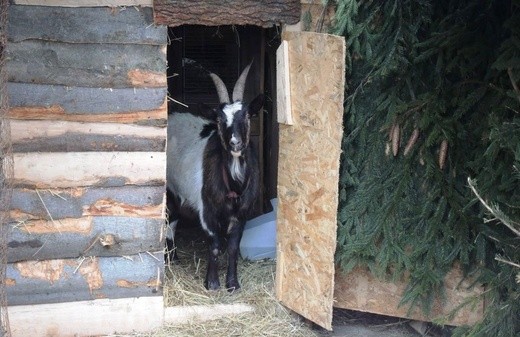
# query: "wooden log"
(126, 201)
(263, 13)
(67, 280)
(77, 169)
(40, 100)
(62, 136)
(85, 25)
(360, 290)
(85, 3)
(105, 317)
(87, 65)
(87, 236)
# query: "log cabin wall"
(87, 88)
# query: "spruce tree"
(433, 100)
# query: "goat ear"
(207, 112)
(256, 104)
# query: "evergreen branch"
(515, 86)
(494, 211)
(507, 262)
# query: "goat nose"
(235, 142)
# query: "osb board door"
(308, 171)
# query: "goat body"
(213, 169)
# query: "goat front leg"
(212, 281)
(235, 230)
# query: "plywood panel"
(85, 25)
(87, 318)
(77, 169)
(68, 280)
(360, 290)
(63, 136)
(87, 64)
(308, 173)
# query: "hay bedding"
(184, 287)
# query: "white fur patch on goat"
(237, 169)
(230, 110)
(185, 176)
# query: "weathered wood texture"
(77, 169)
(56, 102)
(87, 65)
(85, 3)
(61, 136)
(105, 317)
(126, 201)
(87, 236)
(308, 173)
(263, 13)
(55, 281)
(70, 223)
(112, 25)
(360, 290)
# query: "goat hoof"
(232, 286)
(212, 285)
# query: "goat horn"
(238, 90)
(222, 92)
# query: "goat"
(213, 170)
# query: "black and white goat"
(213, 170)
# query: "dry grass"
(184, 286)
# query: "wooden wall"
(87, 89)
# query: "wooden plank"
(308, 173)
(63, 136)
(263, 13)
(360, 290)
(77, 169)
(40, 101)
(68, 280)
(126, 201)
(201, 313)
(87, 65)
(87, 318)
(87, 236)
(85, 25)
(85, 3)
(283, 85)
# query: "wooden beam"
(201, 313)
(124, 201)
(85, 25)
(87, 64)
(63, 136)
(263, 13)
(283, 85)
(88, 236)
(84, 279)
(87, 318)
(77, 169)
(85, 3)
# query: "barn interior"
(227, 50)
(195, 50)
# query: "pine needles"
(446, 74)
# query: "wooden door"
(313, 75)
